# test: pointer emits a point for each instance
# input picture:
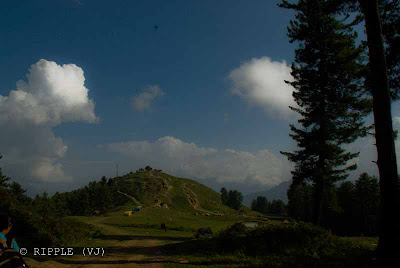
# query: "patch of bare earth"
(128, 253)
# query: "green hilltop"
(184, 205)
(154, 188)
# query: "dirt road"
(123, 250)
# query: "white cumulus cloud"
(261, 82)
(189, 160)
(146, 97)
(53, 94)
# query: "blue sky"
(199, 97)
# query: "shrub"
(236, 230)
(232, 238)
(295, 239)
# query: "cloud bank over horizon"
(261, 82)
(53, 94)
(146, 97)
(189, 160)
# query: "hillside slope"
(158, 189)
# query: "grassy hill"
(153, 189)
(183, 204)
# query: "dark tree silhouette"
(300, 201)
(261, 204)
(235, 199)
(389, 234)
(327, 73)
(224, 195)
(366, 195)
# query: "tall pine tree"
(382, 86)
(382, 23)
(329, 91)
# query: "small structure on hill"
(137, 208)
(161, 204)
(127, 213)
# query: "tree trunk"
(389, 228)
(316, 212)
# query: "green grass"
(175, 197)
(180, 218)
(179, 246)
(151, 218)
(362, 242)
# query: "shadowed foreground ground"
(122, 249)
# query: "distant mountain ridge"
(277, 192)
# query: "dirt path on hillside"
(193, 200)
(131, 251)
(130, 197)
(169, 187)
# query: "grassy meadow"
(180, 249)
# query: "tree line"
(99, 196)
(39, 221)
(349, 209)
(232, 199)
(263, 205)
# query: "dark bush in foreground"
(292, 245)
(292, 239)
(234, 231)
(32, 229)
